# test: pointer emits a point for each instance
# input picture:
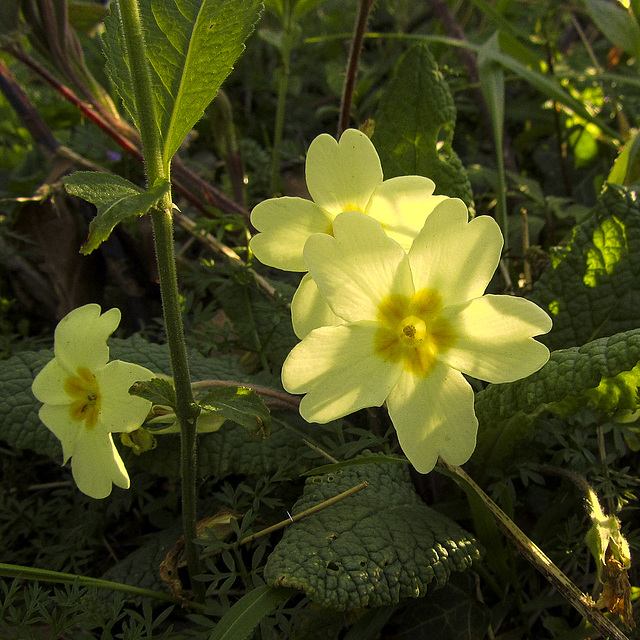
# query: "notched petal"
(81, 337)
(341, 176)
(285, 225)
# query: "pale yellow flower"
(341, 176)
(412, 323)
(86, 398)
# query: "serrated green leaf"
(115, 198)
(191, 47)
(592, 287)
(507, 412)
(241, 405)
(370, 549)
(414, 126)
(157, 391)
(245, 615)
(618, 25)
(117, 62)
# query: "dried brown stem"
(184, 181)
(581, 602)
(292, 519)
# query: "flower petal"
(81, 337)
(455, 257)
(96, 464)
(121, 411)
(401, 205)
(358, 267)
(309, 310)
(58, 420)
(48, 385)
(341, 176)
(433, 417)
(339, 371)
(494, 338)
(286, 224)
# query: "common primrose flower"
(341, 176)
(86, 398)
(413, 323)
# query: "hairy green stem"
(158, 168)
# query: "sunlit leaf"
(115, 198)
(191, 47)
(592, 286)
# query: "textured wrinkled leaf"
(618, 25)
(370, 549)
(414, 126)
(592, 287)
(245, 615)
(191, 47)
(241, 405)
(450, 613)
(507, 412)
(613, 397)
(20, 426)
(115, 198)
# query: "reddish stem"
(352, 66)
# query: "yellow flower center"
(412, 331)
(85, 393)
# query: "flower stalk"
(581, 602)
(158, 168)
